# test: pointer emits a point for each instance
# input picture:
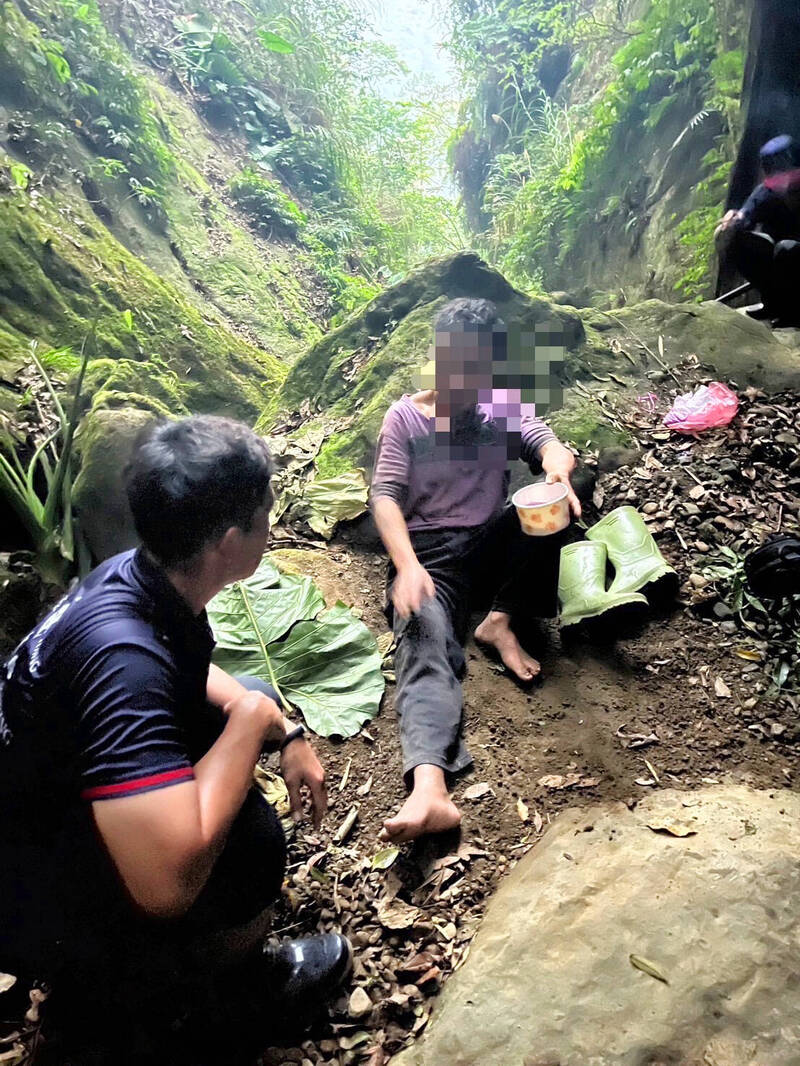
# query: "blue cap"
(783, 143)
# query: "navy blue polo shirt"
(105, 698)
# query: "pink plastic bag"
(708, 406)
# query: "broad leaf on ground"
(327, 666)
(251, 613)
(331, 669)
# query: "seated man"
(137, 861)
(439, 499)
(762, 238)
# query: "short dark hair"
(468, 314)
(190, 480)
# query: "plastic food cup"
(543, 509)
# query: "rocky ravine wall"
(216, 311)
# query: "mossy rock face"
(321, 375)
(104, 442)
(60, 269)
(354, 373)
(737, 348)
(580, 422)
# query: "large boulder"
(619, 941)
(105, 441)
(735, 347)
(349, 378)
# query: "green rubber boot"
(634, 554)
(582, 584)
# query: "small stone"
(360, 1004)
(722, 610)
(650, 508)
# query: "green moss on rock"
(104, 444)
(60, 269)
(580, 422)
(354, 373)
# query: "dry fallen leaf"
(671, 825)
(522, 810)
(635, 740)
(748, 654)
(478, 791)
(359, 1003)
(416, 965)
(346, 828)
(537, 821)
(394, 914)
(647, 967)
(722, 689)
(363, 790)
(559, 780)
(383, 859)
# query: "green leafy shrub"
(269, 208)
(40, 492)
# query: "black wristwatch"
(293, 734)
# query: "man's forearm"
(392, 527)
(224, 775)
(556, 459)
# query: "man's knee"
(430, 625)
(255, 684)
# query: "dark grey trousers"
(496, 566)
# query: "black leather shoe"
(307, 971)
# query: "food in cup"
(542, 509)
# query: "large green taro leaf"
(251, 613)
(328, 666)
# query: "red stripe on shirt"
(184, 773)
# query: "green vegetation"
(272, 212)
(40, 491)
(326, 664)
(550, 170)
(299, 82)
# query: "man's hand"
(730, 222)
(260, 709)
(300, 766)
(558, 463)
(412, 586)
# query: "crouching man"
(138, 864)
(439, 500)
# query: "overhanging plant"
(326, 663)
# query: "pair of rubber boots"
(623, 538)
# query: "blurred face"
(463, 363)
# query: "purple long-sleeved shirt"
(438, 491)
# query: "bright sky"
(413, 27)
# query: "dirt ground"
(607, 721)
(697, 691)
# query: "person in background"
(762, 238)
(139, 863)
(438, 497)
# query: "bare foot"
(496, 630)
(428, 809)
